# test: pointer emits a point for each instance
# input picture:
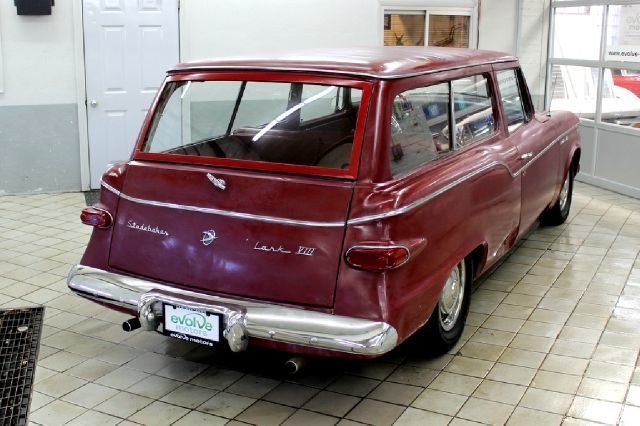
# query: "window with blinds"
(449, 30)
(408, 28)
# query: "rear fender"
(574, 159)
(97, 253)
(574, 154)
(407, 325)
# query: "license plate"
(192, 325)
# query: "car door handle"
(526, 156)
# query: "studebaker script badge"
(302, 250)
(208, 237)
(146, 228)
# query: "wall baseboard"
(608, 184)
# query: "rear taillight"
(97, 217)
(376, 258)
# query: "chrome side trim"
(546, 148)
(354, 221)
(110, 188)
(260, 320)
(419, 202)
(227, 213)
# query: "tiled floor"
(553, 338)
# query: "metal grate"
(20, 331)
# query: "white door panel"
(129, 45)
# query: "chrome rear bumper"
(241, 319)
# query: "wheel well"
(478, 257)
(575, 161)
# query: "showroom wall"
(217, 27)
(291, 25)
(533, 35)
(498, 25)
(331, 23)
(39, 143)
(43, 143)
(520, 27)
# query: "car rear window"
(277, 122)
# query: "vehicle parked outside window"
(574, 88)
(627, 79)
(331, 203)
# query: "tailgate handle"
(526, 156)
(217, 182)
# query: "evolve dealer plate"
(192, 325)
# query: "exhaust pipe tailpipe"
(293, 365)
(131, 324)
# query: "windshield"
(276, 122)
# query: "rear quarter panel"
(466, 200)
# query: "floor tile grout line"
(602, 221)
(529, 316)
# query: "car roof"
(389, 62)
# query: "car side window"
(473, 109)
(511, 98)
(419, 127)
(529, 110)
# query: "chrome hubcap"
(450, 304)
(564, 193)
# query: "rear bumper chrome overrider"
(241, 319)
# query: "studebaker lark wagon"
(333, 202)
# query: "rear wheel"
(446, 324)
(559, 212)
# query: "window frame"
(262, 76)
(451, 137)
(346, 104)
(601, 63)
(494, 108)
(517, 72)
(440, 78)
(525, 95)
(457, 8)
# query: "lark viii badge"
(208, 237)
(302, 250)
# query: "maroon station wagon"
(329, 203)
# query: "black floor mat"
(20, 331)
